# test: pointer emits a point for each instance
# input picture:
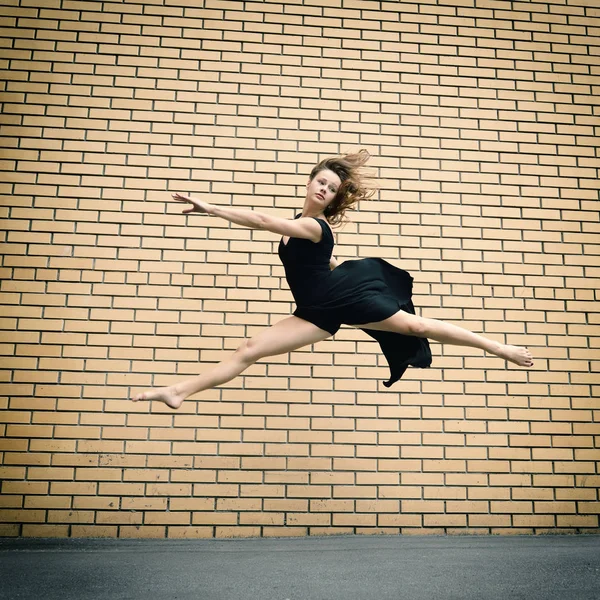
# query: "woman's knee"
(248, 351)
(414, 325)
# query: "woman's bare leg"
(287, 335)
(446, 333)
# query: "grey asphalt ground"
(325, 568)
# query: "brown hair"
(348, 167)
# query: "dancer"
(368, 293)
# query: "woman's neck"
(316, 215)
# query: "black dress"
(357, 292)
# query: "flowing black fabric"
(357, 292)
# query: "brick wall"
(482, 117)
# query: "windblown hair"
(356, 184)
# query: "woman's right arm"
(300, 228)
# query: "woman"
(368, 293)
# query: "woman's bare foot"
(168, 395)
(516, 354)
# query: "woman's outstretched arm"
(299, 228)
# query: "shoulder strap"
(325, 227)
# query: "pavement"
(555, 567)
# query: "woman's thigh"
(400, 322)
(283, 337)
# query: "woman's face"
(323, 188)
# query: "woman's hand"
(197, 205)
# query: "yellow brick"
(167, 518)
(46, 531)
(22, 516)
(25, 487)
(235, 532)
(189, 532)
(93, 531)
(422, 506)
(577, 521)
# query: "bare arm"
(333, 263)
(300, 228)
